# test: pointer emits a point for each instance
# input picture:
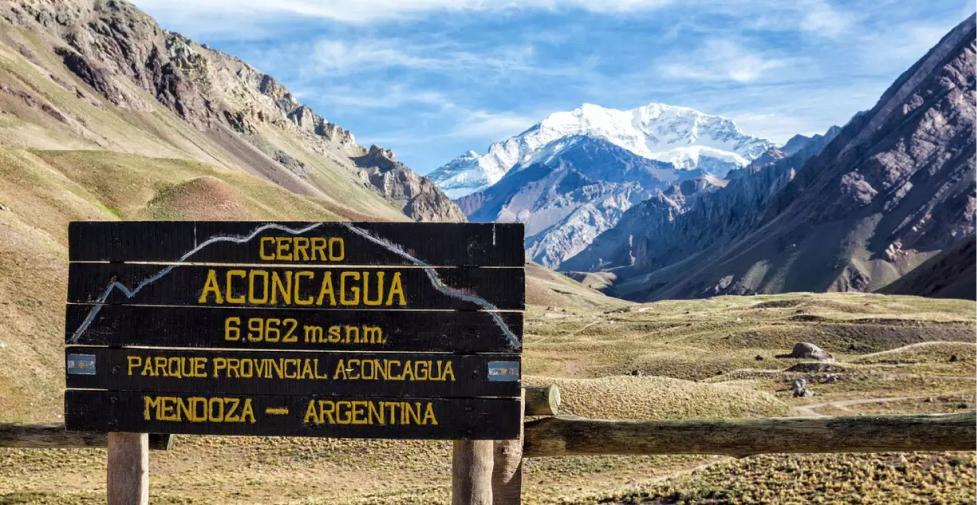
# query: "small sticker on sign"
(81, 364)
(503, 371)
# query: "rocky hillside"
(100, 74)
(686, 220)
(571, 190)
(949, 274)
(106, 116)
(892, 189)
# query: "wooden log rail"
(560, 436)
(54, 436)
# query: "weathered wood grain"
(402, 330)
(542, 400)
(471, 472)
(438, 244)
(454, 287)
(389, 375)
(288, 415)
(507, 470)
(128, 469)
(745, 437)
(55, 436)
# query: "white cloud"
(341, 55)
(478, 124)
(330, 57)
(365, 11)
(824, 19)
(371, 96)
(720, 60)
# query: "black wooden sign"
(294, 372)
(294, 329)
(293, 415)
(394, 330)
(387, 244)
(300, 287)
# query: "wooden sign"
(294, 329)
(393, 330)
(292, 415)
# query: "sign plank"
(294, 329)
(388, 244)
(374, 330)
(300, 287)
(392, 375)
(312, 416)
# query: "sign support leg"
(507, 471)
(128, 469)
(471, 472)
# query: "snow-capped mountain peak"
(682, 136)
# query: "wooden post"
(541, 400)
(128, 469)
(471, 472)
(555, 436)
(507, 470)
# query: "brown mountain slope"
(42, 191)
(894, 188)
(105, 116)
(950, 274)
(100, 74)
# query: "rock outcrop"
(415, 195)
(115, 57)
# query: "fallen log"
(557, 436)
(54, 436)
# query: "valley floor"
(716, 358)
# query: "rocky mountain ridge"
(684, 137)
(110, 55)
(684, 221)
(893, 188)
(570, 191)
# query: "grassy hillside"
(41, 191)
(45, 105)
(696, 359)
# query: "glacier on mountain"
(684, 137)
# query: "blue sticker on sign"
(81, 364)
(503, 371)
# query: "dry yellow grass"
(697, 358)
(575, 347)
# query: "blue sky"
(433, 78)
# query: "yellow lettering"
(396, 289)
(300, 248)
(319, 248)
(298, 287)
(253, 297)
(134, 362)
(344, 288)
(211, 286)
(263, 251)
(231, 275)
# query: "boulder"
(807, 350)
(800, 389)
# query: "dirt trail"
(574, 333)
(910, 346)
(811, 410)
